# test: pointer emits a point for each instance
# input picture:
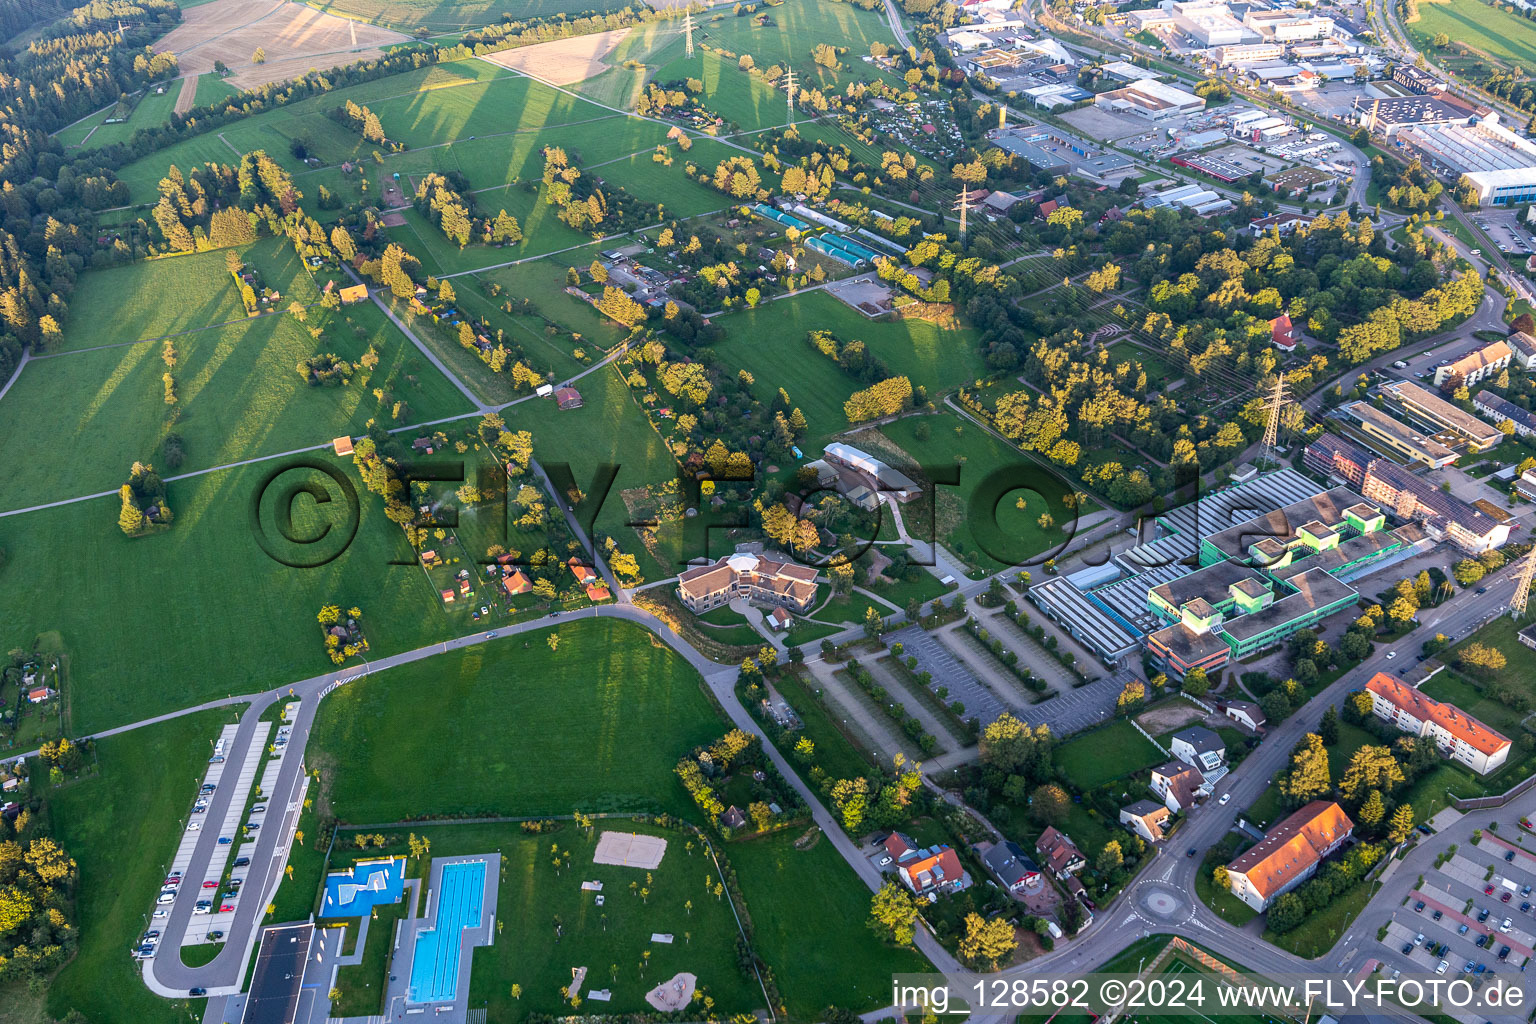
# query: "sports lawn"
(596, 725)
(809, 911)
(120, 825)
(238, 396)
(243, 622)
(770, 341)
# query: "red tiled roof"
(1448, 716)
(1293, 846)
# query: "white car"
(1440, 968)
(162, 913)
(1505, 926)
(1391, 655)
(1224, 798)
(166, 897)
(195, 826)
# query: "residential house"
(732, 817)
(342, 445)
(779, 620)
(1284, 223)
(1283, 334)
(1289, 853)
(1244, 712)
(515, 582)
(1522, 349)
(353, 293)
(1011, 866)
(41, 694)
(598, 592)
(583, 573)
(1202, 748)
(1177, 784)
(1147, 818)
(1496, 410)
(1059, 854)
(568, 398)
(927, 871)
(1456, 734)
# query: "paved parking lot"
(1455, 891)
(936, 659)
(240, 780)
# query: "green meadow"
(200, 610)
(595, 725)
(448, 16)
(238, 396)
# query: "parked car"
(146, 952)
(210, 884)
(258, 809)
(1503, 952)
(1224, 798)
(226, 908)
(225, 840)
(216, 759)
(241, 862)
(1487, 890)
(1418, 940)
(1463, 929)
(1407, 948)
(1482, 915)
(215, 936)
(203, 907)
(197, 991)
(1506, 897)
(195, 826)
(1441, 968)
(1510, 856)
(1418, 908)
(1437, 915)
(1505, 926)
(166, 897)
(1483, 940)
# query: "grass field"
(835, 753)
(125, 808)
(238, 396)
(1160, 372)
(151, 110)
(809, 912)
(649, 45)
(1115, 751)
(743, 100)
(795, 27)
(961, 521)
(770, 342)
(608, 429)
(609, 940)
(153, 298)
(211, 89)
(595, 726)
(1492, 30)
(206, 580)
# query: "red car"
(214, 885)
(227, 908)
(1487, 890)
(1505, 897)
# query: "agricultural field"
(634, 62)
(600, 724)
(97, 817)
(794, 28)
(238, 395)
(452, 16)
(1491, 31)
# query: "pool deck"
(457, 1011)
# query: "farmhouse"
(568, 398)
(353, 293)
(1289, 853)
(1457, 734)
(781, 584)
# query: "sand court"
(629, 850)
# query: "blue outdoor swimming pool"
(369, 884)
(435, 965)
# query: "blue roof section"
(789, 220)
(369, 884)
(840, 255)
(848, 245)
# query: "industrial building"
(1288, 26)
(1150, 99)
(1235, 572)
(1057, 152)
(1210, 24)
(1416, 79)
(1496, 410)
(1391, 114)
(1332, 456)
(1435, 413)
(1247, 53)
(1400, 438)
(1189, 197)
(1500, 164)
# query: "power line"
(1523, 578)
